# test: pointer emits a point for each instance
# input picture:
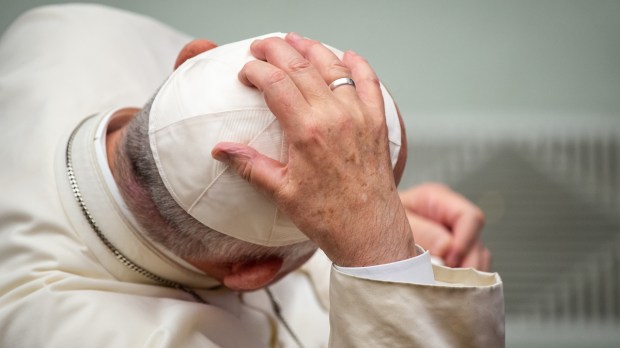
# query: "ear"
(399, 168)
(193, 49)
(252, 275)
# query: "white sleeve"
(416, 270)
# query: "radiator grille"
(551, 201)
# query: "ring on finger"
(343, 81)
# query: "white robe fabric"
(60, 286)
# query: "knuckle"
(312, 134)
(298, 64)
(337, 69)
(276, 76)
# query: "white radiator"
(552, 200)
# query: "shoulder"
(75, 20)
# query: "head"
(237, 264)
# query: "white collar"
(110, 215)
(102, 159)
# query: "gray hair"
(164, 220)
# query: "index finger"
(300, 70)
(327, 63)
(281, 95)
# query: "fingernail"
(220, 155)
(294, 36)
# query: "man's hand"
(447, 224)
(338, 185)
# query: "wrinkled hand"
(338, 185)
(447, 224)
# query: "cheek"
(402, 156)
(399, 169)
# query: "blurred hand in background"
(446, 224)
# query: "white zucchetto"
(203, 103)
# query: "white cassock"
(62, 286)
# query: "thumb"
(430, 235)
(262, 172)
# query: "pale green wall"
(470, 65)
(463, 61)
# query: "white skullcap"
(203, 103)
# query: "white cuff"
(416, 270)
